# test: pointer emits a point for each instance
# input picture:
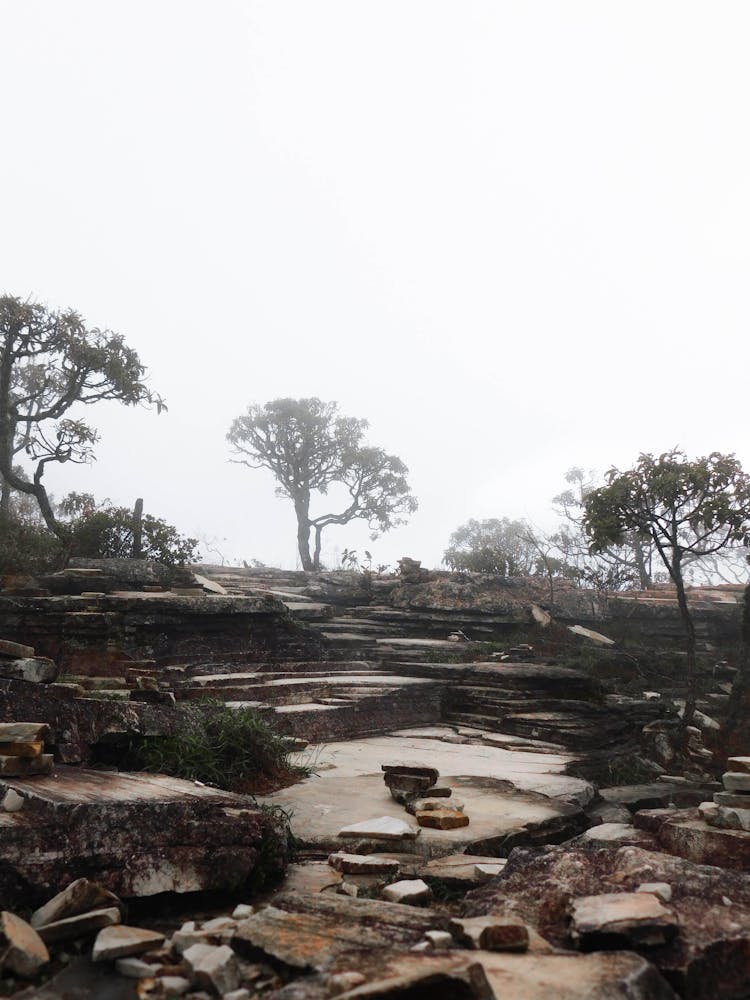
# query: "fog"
(513, 236)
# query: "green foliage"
(310, 448)
(28, 547)
(688, 509)
(50, 363)
(697, 507)
(502, 547)
(235, 749)
(104, 531)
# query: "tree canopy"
(688, 509)
(50, 363)
(309, 447)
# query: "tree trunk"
(316, 557)
(138, 529)
(739, 697)
(640, 563)
(687, 620)
(302, 510)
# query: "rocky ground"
(497, 827)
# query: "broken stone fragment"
(363, 864)
(462, 870)
(736, 781)
(732, 819)
(22, 951)
(491, 933)
(616, 834)
(80, 896)
(124, 942)
(173, 986)
(708, 811)
(662, 890)
(623, 919)
(734, 800)
(36, 669)
(218, 924)
(442, 819)
(213, 968)
(381, 828)
(242, 911)
(409, 891)
(416, 805)
(739, 765)
(79, 926)
(440, 939)
(28, 749)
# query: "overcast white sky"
(515, 236)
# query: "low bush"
(234, 749)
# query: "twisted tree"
(309, 447)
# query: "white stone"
(342, 982)
(708, 811)
(240, 994)
(12, 801)
(213, 968)
(219, 924)
(488, 871)
(134, 968)
(422, 946)
(662, 890)
(408, 891)
(440, 939)
(174, 986)
(242, 911)
(382, 828)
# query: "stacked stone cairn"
(731, 807)
(22, 753)
(417, 790)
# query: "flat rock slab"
(79, 926)
(697, 841)
(123, 942)
(491, 933)
(307, 931)
(350, 790)
(630, 919)
(462, 870)
(380, 828)
(135, 834)
(408, 891)
(78, 897)
(602, 976)
(363, 864)
(15, 650)
(441, 818)
(618, 834)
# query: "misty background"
(512, 235)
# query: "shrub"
(235, 749)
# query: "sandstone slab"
(36, 669)
(736, 781)
(80, 925)
(363, 864)
(620, 919)
(462, 871)
(15, 650)
(380, 828)
(121, 941)
(441, 819)
(22, 951)
(78, 897)
(308, 931)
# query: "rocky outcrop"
(705, 955)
